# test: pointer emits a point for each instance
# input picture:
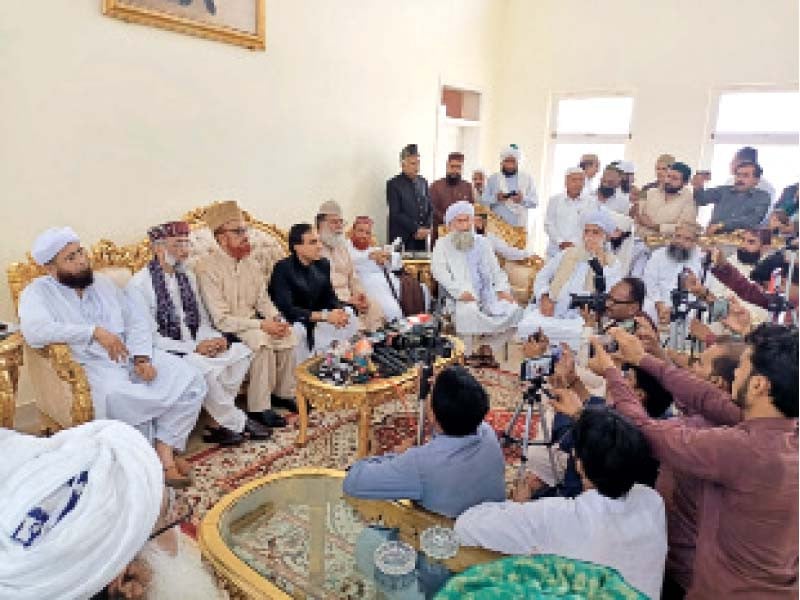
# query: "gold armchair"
(61, 388)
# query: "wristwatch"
(324, 313)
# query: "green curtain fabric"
(541, 577)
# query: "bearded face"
(77, 281)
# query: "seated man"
(510, 193)
(665, 207)
(738, 206)
(736, 456)
(661, 272)
(461, 466)
(346, 284)
(181, 326)
(563, 220)
(233, 284)
(465, 265)
(571, 271)
(302, 289)
(662, 164)
(615, 522)
(111, 338)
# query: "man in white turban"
(466, 267)
(111, 337)
(510, 193)
(572, 271)
(77, 507)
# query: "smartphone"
(718, 310)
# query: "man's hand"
(698, 180)
(649, 337)
(145, 370)
(717, 257)
(693, 284)
(647, 221)
(338, 318)
(206, 348)
(566, 402)
(422, 233)
(111, 343)
(379, 256)
(466, 297)
(714, 228)
(564, 375)
(275, 327)
(739, 319)
(589, 316)
(663, 310)
(361, 303)
(516, 198)
(601, 361)
(565, 245)
(525, 487)
(546, 306)
(631, 349)
(700, 331)
(506, 296)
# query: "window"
(596, 125)
(769, 121)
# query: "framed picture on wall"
(240, 22)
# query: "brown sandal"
(486, 356)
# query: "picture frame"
(238, 22)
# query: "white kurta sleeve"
(551, 221)
(490, 192)
(541, 284)
(39, 328)
(444, 275)
(508, 527)
(506, 250)
(529, 196)
(613, 272)
(653, 279)
(138, 329)
(498, 275)
(206, 330)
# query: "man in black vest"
(409, 205)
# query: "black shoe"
(222, 436)
(256, 431)
(268, 418)
(287, 403)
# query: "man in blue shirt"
(461, 466)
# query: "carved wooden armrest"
(69, 371)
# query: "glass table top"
(301, 535)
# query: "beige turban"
(331, 207)
(220, 213)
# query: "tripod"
(531, 400)
(425, 374)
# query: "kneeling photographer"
(735, 458)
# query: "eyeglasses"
(612, 300)
(236, 230)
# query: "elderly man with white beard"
(346, 283)
(661, 273)
(571, 271)
(465, 265)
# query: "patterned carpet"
(332, 443)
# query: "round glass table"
(294, 535)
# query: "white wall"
(111, 126)
(669, 55)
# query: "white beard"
(332, 240)
(463, 240)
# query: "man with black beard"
(666, 263)
(112, 339)
(510, 193)
(609, 194)
(448, 190)
(732, 529)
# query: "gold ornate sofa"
(63, 397)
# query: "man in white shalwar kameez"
(111, 337)
(465, 265)
(569, 272)
(562, 222)
(510, 193)
(181, 326)
(374, 267)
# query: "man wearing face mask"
(181, 326)
(465, 265)
(661, 273)
(510, 193)
(448, 190)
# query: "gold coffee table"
(10, 362)
(364, 397)
(295, 535)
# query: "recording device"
(608, 343)
(679, 339)
(532, 369)
(718, 310)
(594, 302)
(509, 194)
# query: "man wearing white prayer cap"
(563, 218)
(466, 267)
(110, 335)
(77, 508)
(571, 271)
(510, 193)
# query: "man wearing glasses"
(346, 283)
(233, 283)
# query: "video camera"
(595, 302)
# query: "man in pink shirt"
(733, 532)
